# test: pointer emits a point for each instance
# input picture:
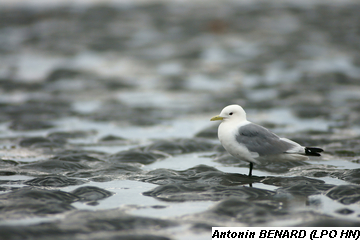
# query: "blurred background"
(100, 77)
(183, 57)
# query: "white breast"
(227, 136)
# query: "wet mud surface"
(105, 109)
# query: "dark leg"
(250, 169)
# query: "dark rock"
(90, 193)
(63, 73)
(7, 173)
(24, 125)
(345, 194)
(291, 181)
(311, 111)
(110, 138)
(25, 202)
(201, 174)
(202, 226)
(9, 85)
(41, 142)
(101, 224)
(352, 175)
(107, 172)
(54, 181)
(40, 194)
(54, 166)
(344, 211)
(114, 84)
(71, 134)
(137, 156)
(306, 188)
(69, 156)
(8, 163)
(206, 192)
(36, 111)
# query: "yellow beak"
(216, 118)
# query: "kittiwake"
(253, 143)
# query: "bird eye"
(231, 113)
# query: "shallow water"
(104, 117)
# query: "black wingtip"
(313, 151)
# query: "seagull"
(253, 143)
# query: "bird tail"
(313, 151)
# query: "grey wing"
(259, 139)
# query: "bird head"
(231, 113)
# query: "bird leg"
(250, 169)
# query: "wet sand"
(105, 109)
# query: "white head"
(231, 113)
